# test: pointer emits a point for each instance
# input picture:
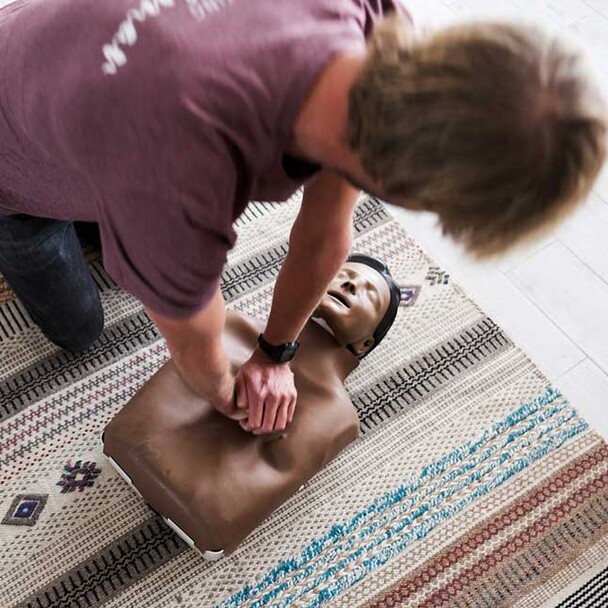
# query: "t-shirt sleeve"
(166, 241)
(165, 235)
(167, 185)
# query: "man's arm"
(320, 240)
(195, 344)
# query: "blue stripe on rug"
(538, 428)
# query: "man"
(216, 482)
(160, 119)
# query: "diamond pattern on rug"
(78, 476)
(25, 509)
(409, 294)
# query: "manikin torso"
(215, 480)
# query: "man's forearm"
(265, 390)
(205, 368)
(196, 347)
(320, 241)
(300, 285)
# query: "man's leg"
(42, 261)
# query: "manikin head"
(360, 304)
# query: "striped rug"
(474, 483)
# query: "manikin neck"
(344, 362)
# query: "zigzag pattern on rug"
(437, 367)
(141, 551)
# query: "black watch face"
(287, 354)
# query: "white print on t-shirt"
(126, 35)
(201, 8)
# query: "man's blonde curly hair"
(496, 128)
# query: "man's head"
(498, 129)
(360, 304)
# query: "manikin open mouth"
(336, 295)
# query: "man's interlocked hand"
(267, 392)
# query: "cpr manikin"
(215, 482)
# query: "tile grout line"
(591, 360)
(593, 271)
(595, 10)
(601, 196)
(579, 346)
(551, 321)
(570, 369)
(526, 258)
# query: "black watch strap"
(278, 353)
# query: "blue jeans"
(43, 262)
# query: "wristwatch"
(279, 353)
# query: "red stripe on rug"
(485, 531)
(516, 544)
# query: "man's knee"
(84, 331)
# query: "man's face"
(362, 181)
(354, 304)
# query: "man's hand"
(267, 391)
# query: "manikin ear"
(362, 346)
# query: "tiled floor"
(552, 297)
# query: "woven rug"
(474, 482)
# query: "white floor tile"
(433, 13)
(571, 294)
(586, 235)
(601, 186)
(520, 254)
(594, 31)
(586, 386)
(482, 9)
(553, 16)
(538, 336)
(601, 6)
(567, 11)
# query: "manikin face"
(354, 304)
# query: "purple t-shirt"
(160, 119)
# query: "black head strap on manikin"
(395, 291)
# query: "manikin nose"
(350, 287)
